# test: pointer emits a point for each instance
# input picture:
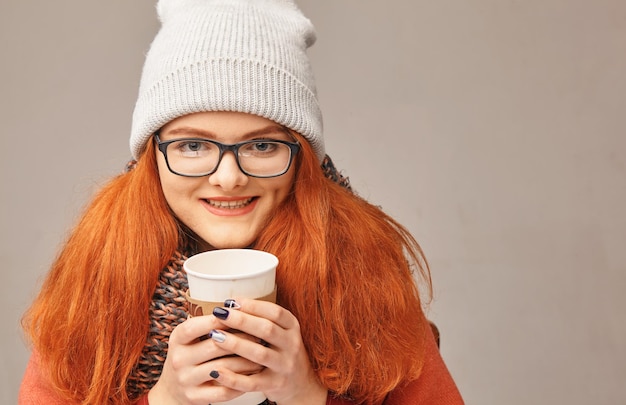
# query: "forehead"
(220, 124)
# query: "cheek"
(284, 186)
(167, 182)
(174, 187)
(162, 167)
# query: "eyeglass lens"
(257, 158)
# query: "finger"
(240, 334)
(268, 310)
(265, 329)
(201, 374)
(193, 328)
(245, 348)
(238, 382)
(235, 364)
(199, 352)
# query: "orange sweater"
(434, 387)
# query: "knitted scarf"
(169, 308)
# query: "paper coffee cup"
(218, 275)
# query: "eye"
(193, 148)
(260, 149)
(263, 147)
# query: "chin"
(231, 244)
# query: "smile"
(230, 204)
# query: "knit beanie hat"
(229, 55)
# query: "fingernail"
(214, 374)
(220, 313)
(231, 303)
(218, 336)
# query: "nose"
(228, 175)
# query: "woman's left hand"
(288, 377)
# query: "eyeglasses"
(198, 157)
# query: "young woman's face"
(227, 209)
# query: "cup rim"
(271, 264)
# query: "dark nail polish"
(220, 313)
(231, 303)
(214, 374)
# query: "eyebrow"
(247, 135)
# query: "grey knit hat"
(229, 55)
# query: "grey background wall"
(494, 130)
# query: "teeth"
(230, 204)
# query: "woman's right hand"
(185, 378)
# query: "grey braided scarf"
(169, 308)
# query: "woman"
(228, 146)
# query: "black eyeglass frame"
(294, 148)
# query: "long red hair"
(347, 271)
(90, 320)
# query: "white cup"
(218, 275)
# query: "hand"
(288, 377)
(186, 375)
